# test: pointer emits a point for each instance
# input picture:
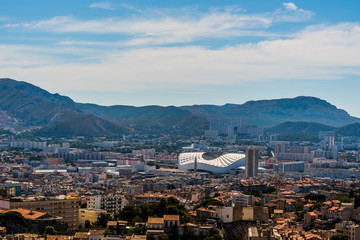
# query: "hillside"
(75, 124)
(131, 112)
(349, 130)
(263, 113)
(309, 131)
(267, 113)
(23, 105)
(298, 137)
(30, 105)
(186, 125)
(289, 128)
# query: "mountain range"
(25, 105)
(292, 131)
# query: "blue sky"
(184, 52)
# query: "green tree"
(344, 199)
(351, 193)
(171, 186)
(299, 207)
(269, 190)
(300, 216)
(13, 221)
(87, 224)
(136, 230)
(254, 192)
(209, 201)
(357, 201)
(188, 233)
(163, 236)
(172, 201)
(103, 219)
(315, 206)
(128, 213)
(174, 234)
(171, 210)
(316, 197)
(145, 212)
(50, 230)
(162, 205)
(108, 232)
(339, 237)
(214, 237)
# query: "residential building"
(171, 221)
(90, 215)
(150, 198)
(251, 162)
(96, 234)
(243, 200)
(110, 203)
(67, 208)
(155, 227)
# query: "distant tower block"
(195, 165)
(251, 162)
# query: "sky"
(180, 52)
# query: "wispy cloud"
(4, 18)
(291, 13)
(103, 5)
(318, 52)
(290, 6)
(164, 27)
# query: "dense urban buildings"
(241, 184)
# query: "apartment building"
(150, 198)
(90, 215)
(110, 203)
(243, 200)
(67, 208)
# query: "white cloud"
(318, 52)
(103, 5)
(166, 27)
(290, 6)
(291, 13)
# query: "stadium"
(221, 164)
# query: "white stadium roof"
(222, 164)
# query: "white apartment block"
(243, 200)
(111, 203)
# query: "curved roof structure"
(222, 164)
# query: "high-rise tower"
(252, 162)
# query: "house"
(204, 213)
(198, 230)
(171, 221)
(81, 236)
(117, 226)
(58, 237)
(309, 218)
(155, 227)
(96, 234)
(2, 231)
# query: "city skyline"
(182, 53)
